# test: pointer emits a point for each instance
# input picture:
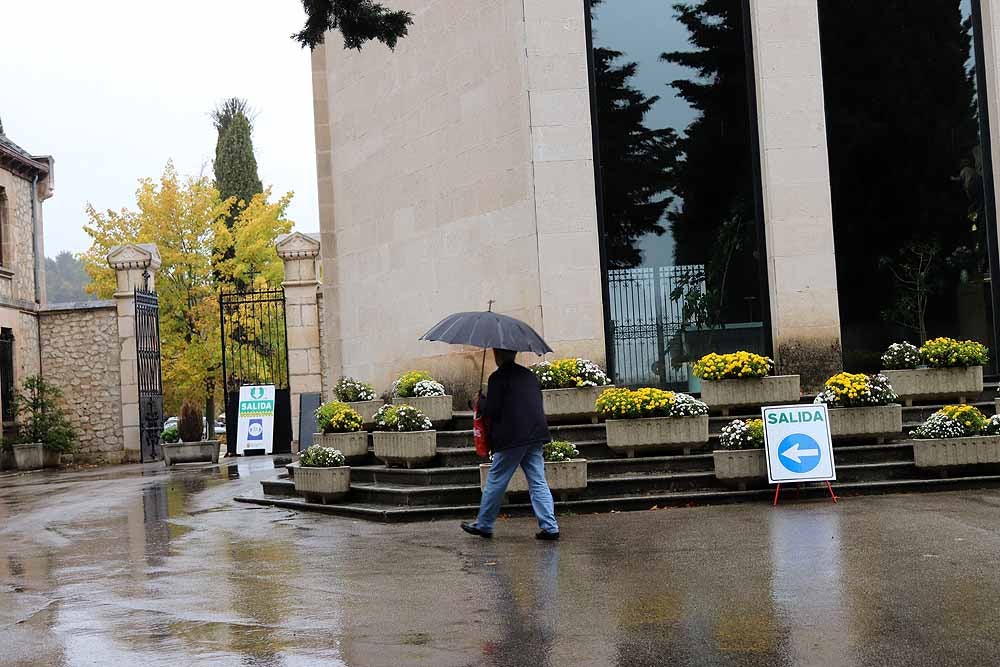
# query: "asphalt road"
(138, 566)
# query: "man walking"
(517, 431)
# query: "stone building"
(26, 181)
(645, 182)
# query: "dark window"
(908, 169)
(7, 407)
(678, 186)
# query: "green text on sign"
(801, 417)
(256, 407)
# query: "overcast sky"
(115, 88)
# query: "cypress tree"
(235, 164)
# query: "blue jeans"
(504, 466)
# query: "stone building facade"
(483, 160)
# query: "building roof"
(13, 155)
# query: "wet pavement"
(138, 566)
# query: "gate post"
(305, 375)
(132, 263)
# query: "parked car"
(217, 428)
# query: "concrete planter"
(874, 422)
(436, 408)
(322, 485)
(956, 451)
(367, 410)
(754, 392)
(627, 436)
(576, 403)
(206, 451)
(351, 445)
(34, 456)
(561, 476)
(405, 449)
(739, 465)
(936, 383)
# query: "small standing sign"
(797, 444)
(255, 429)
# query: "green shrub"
(950, 353)
(350, 390)
(405, 385)
(740, 365)
(318, 456)
(40, 417)
(740, 434)
(336, 417)
(620, 403)
(569, 373)
(559, 450)
(403, 418)
(190, 425)
(170, 435)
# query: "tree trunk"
(210, 416)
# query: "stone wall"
(80, 355)
(456, 170)
(17, 275)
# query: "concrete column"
(132, 263)
(991, 55)
(795, 170)
(305, 371)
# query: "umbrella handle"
(482, 374)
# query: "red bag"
(479, 436)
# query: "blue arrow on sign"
(799, 453)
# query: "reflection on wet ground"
(135, 565)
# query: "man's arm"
(491, 406)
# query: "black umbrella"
(487, 329)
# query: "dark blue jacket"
(513, 406)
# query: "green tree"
(66, 279)
(235, 165)
(359, 21)
(186, 219)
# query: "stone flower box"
(627, 436)
(575, 403)
(945, 452)
(367, 410)
(35, 456)
(739, 465)
(436, 408)
(936, 383)
(322, 485)
(568, 475)
(880, 422)
(405, 448)
(351, 445)
(753, 392)
(206, 451)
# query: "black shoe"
(545, 535)
(473, 529)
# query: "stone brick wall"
(456, 170)
(81, 355)
(17, 281)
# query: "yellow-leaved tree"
(185, 218)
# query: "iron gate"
(255, 352)
(150, 379)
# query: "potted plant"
(956, 435)
(419, 390)
(340, 428)
(403, 436)
(570, 387)
(191, 446)
(360, 396)
(942, 368)
(861, 405)
(740, 457)
(743, 379)
(44, 432)
(322, 475)
(564, 470)
(648, 418)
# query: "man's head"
(502, 357)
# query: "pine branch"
(359, 21)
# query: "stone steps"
(628, 502)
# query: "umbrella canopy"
(487, 329)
